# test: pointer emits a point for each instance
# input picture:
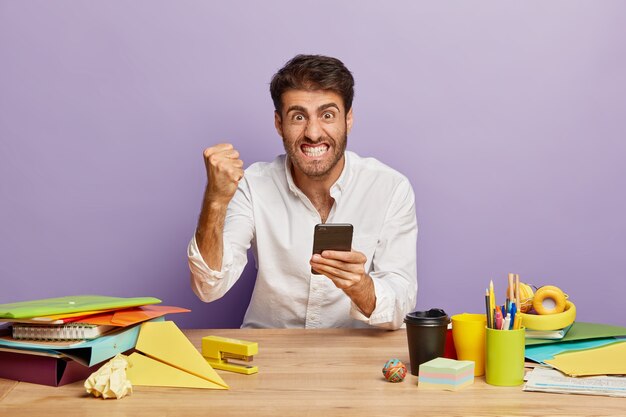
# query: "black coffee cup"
(426, 334)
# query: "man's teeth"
(314, 151)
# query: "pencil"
(492, 297)
(487, 304)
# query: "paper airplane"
(166, 358)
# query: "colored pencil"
(487, 308)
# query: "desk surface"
(307, 373)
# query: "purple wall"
(508, 118)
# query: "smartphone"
(332, 236)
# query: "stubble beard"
(316, 170)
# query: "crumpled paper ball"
(394, 370)
(110, 380)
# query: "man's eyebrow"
(319, 109)
(295, 108)
(328, 105)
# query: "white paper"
(551, 380)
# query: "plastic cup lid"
(432, 317)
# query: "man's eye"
(328, 116)
(298, 117)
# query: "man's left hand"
(347, 271)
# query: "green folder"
(71, 304)
(583, 331)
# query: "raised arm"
(224, 171)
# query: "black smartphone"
(332, 236)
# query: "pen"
(516, 321)
(513, 314)
(507, 322)
(498, 318)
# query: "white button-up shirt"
(273, 215)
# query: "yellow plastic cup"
(505, 357)
(468, 333)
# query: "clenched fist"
(224, 170)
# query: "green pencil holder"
(504, 365)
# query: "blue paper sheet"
(541, 353)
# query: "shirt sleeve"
(208, 284)
(394, 264)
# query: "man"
(275, 206)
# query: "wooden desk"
(307, 373)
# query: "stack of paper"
(550, 380)
(606, 360)
(589, 345)
(58, 361)
(543, 353)
(595, 352)
(446, 374)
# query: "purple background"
(507, 117)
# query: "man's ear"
(278, 123)
(349, 121)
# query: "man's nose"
(313, 129)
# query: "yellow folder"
(166, 358)
(604, 360)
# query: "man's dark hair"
(313, 72)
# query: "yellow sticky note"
(604, 360)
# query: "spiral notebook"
(69, 331)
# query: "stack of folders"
(588, 359)
(57, 341)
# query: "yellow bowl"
(550, 321)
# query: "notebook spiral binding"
(70, 331)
